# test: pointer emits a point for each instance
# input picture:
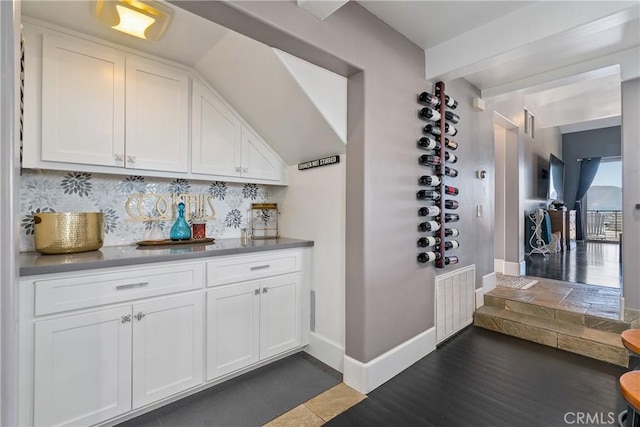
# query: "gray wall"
(389, 297)
(631, 191)
(606, 142)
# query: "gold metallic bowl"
(68, 232)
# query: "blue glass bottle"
(180, 229)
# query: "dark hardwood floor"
(482, 378)
(593, 263)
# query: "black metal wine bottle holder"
(440, 172)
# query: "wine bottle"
(451, 244)
(429, 99)
(451, 144)
(450, 190)
(451, 232)
(427, 113)
(428, 195)
(451, 204)
(429, 211)
(449, 129)
(432, 180)
(424, 257)
(452, 117)
(450, 102)
(432, 129)
(451, 217)
(424, 242)
(428, 226)
(446, 171)
(450, 157)
(429, 160)
(427, 143)
(450, 260)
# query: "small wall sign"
(319, 162)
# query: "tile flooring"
(593, 263)
(257, 397)
(594, 301)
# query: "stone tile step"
(580, 339)
(554, 313)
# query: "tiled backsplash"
(53, 191)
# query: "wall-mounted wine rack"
(437, 110)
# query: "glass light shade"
(145, 19)
(133, 22)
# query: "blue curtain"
(588, 170)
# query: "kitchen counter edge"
(34, 264)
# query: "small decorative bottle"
(180, 229)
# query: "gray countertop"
(33, 263)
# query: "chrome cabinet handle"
(132, 285)
(139, 316)
(125, 319)
(118, 157)
(256, 292)
(131, 159)
(238, 169)
(265, 290)
(260, 267)
(245, 170)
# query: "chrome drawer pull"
(260, 267)
(132, 285)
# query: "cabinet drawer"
(69, 293)
(248, 267)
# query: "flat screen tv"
(555, 191)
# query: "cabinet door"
(257, 161)
(233, 323)
(82, 368)
(157, 117)
(215, 131)
(167, 347)
(82, 103)
(280, 315)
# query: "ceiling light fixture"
(145, 19)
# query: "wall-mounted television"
(555, 192)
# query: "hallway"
(592, 263)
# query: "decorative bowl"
(68, 232)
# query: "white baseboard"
(365, 377)
(479, 297)
(489, 282)
(327, 351)
(515, 268)
(498, 265)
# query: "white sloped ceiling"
(298, 108)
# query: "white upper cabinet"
(82, 103)
(103, 108)
(157, 117)
(257, 159)
(215, 133)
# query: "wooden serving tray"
(174, 242)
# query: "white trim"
(498, 265)
(515, 268)
(489, 282)
(365, 377)
(327, 351)
(479, 298)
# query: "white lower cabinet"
(167, 347)
(87, 365)
(82, 368)
(251, 321)
(96, 346)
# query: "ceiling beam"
(321, 9)
(514, 36)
